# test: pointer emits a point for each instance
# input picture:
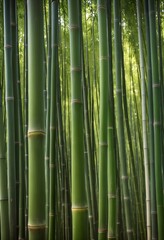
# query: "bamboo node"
(9, 98)
(75, 69)
(35, 133)
(52, 128)
(101, 6)
(124, 177)
(111, 128)
(156, 123)
(51, 214)
(76, 101)
(105, 144)
(52, 165)
(8, 46)
(36, 227)
(126, 198)
(129, 230)
(104, 58)
(74, 26)
(3, 199)
(153, 212)
(111, 237)
(13, 24)
(90, 216)
(102, 230)
(111, 196)
(156, 85)
(118, 90)
(54, 45)
(79, 209)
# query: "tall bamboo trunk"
(157, 119)
(10, 121)
(112, 164)
(120, 126)
(151, 133)
(79, 206)
(4, 232)
(26, 115)
(53, 120)
(36, 220)
(104, 75)
(144, 122)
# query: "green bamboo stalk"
(104, 75)
(53, 120)
(26, 115)
(15, 79)
(79, 206)
(112, 201)
(47, 149)
(157, 118)
(144, 123)
(120, 127)
(36, 122)
(151, 133)
(90, 178)
(21, 219)
(3, 180)
(10, 122)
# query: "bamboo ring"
(9, 98)
(4, 199)
(8, 46)
(102, 230)
(35, 133)
(79, 209)
(76, 69)
(111, 196)
(105, 144)
(74, 26)
(101, 7)
(76, 101)
(36, 227)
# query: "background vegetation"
(81, 119)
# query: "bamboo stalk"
(103, 145)
(53, 121)
(120, 127)
(157, 119)
(36, 221)
(3, 180)
(144, 123)
(79, 205)
(10, 122)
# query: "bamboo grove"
(81, 119)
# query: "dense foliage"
(81, 119)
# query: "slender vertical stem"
(79, 206)
(4, 232)
(53, 120)
(157, 118)
(104, 75)
(144, 123)
(10, 121)
(36, 221)
(120, 126)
